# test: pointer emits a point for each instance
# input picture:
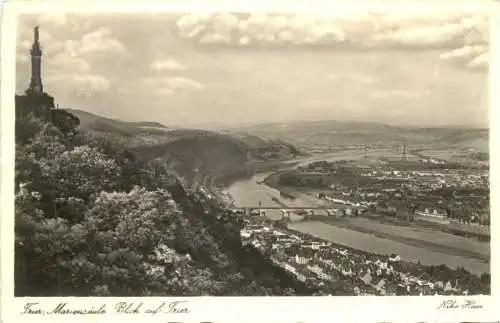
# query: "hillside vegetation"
(94, 219)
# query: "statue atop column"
(36, 34)
(36, 65)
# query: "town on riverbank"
(339, 269)
(322, 263)
(380, 227)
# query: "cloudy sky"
(416, 68)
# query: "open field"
(371, 243)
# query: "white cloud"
(190, 21)
(167, 64)
(181, 83)
(354, 77)
(92, 82)
(477, 30)
(326, 33)
(100, 41)
(196, 31)
(215, 38)
(24, 45)
(57, 19)
(465, 52)
(423, 36)
(63, 62)
(165, 85)
(411, 29)
(225, 22)
(480, 62)
(475, 56)
(164, 91)
(87, 81)
(245, 40)
(420, 29)
(67, 63)
(389, 94)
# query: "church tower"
(36, 86)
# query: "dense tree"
(64, 121)
(92, 218)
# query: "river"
(249, 192)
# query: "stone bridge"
(285, 210)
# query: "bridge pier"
(285, 215)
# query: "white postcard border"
(242, 309)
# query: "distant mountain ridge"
(331, 132)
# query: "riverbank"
(411, 265)
(416, 236)
(377, 245)
(355, 268)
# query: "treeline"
(94, 219)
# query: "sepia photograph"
(230, 153)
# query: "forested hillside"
(186, 152)
(92, 218)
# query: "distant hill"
(464, 137)
(264, 146)
(251, 140)
(90, 121)
(326, 133)
(190, 151)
